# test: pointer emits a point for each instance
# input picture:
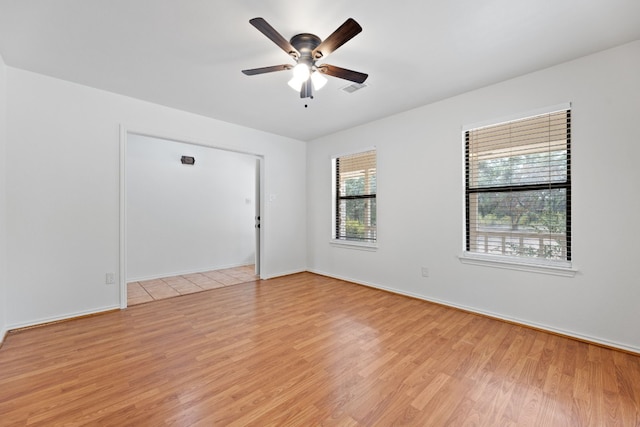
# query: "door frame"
(259, 203)
(258, 215)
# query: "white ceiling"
(188, 54)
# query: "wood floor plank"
(307, 350)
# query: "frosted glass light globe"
(318, 80)
(301, 72)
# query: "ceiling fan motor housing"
(305, 43)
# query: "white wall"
(63, 160)
(187, 218)
(420, 202)
(3, 206)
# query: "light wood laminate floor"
(307, 350)
(168, 287)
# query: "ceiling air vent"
(354, 87)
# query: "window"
(518, 188)
(354, 207)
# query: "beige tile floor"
(167, 287)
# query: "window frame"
(531, 264)
(335, 240)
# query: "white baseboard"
(552, 329)
(283, 273)
(68, 316)
(560, 331)
(3, 334)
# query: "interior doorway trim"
(124, 132)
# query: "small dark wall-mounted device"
(187, 160)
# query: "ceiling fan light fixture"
(301, 72)
(318, 80)
(295, 84)
(306, 49)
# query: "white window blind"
(518, 188)
(355, 191)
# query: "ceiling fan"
(306, 49)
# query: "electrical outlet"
(425, 272)
(110, 278)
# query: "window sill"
(559, 269)
(347, 244)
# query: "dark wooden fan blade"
(343, 73)
(254, 71)
(343, 34)
(266, 29)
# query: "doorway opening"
(187, 226)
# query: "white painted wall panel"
(420, 202)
